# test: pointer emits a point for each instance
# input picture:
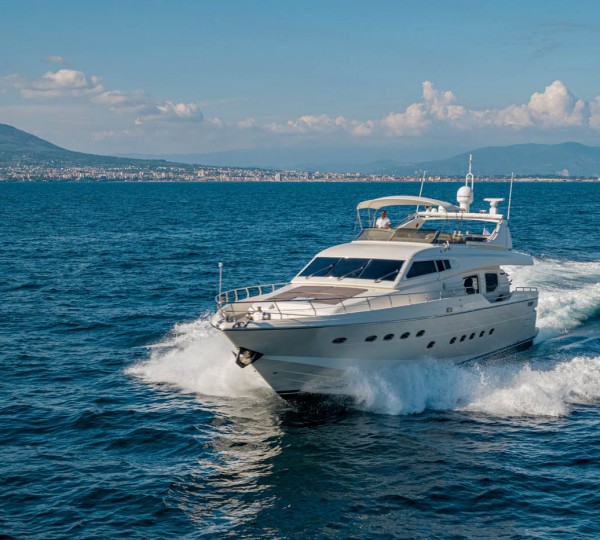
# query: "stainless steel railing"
(243, 302)
(242, 293)
(307, 307)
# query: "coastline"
(362, 180)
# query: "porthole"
(370, 338)
(420, 333)
(430, 344)
(462, 338)
(491, 331)
(339, 340)
(406, 335)
(387, 337)
(472, 335)
(482, 333)
(453, 341)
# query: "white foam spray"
(498, 390)
(569, 293)
(196, 358)
(535, 392)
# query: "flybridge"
(438, 222)
(435, 224)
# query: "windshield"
(375, 269)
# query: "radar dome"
(464, 196)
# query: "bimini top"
(405, 200)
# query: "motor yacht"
(434, 285)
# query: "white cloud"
(65, 83)
(217, 122)
(247, 123)
(56, 59)
(181, 110)
(170, 111)
(362, 129)
(513, 116)
(412, 121)
(146, 108)
(56, 84)
(309, 123)
(123, 101)
(555, 107)
(440, 104)
(436, 112)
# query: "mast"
(512, 177)
(470, 174)
(421, 189)
(422, 182)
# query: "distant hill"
(566, 159)
(21, 148)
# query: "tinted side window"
(491, 282)
(421, 268)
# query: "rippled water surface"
(123, 414)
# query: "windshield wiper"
(359, 270)
(379, 279)
(325, 269)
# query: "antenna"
(512, 177)
(422, 182)
(220, 280)
(421, 189)
(470, 173)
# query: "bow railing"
(243, 293)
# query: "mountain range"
(566, 159)
(22, 148)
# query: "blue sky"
(351, 80)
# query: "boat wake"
(569, 293)
(195, 358)
(507, 389)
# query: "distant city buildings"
(194, 173)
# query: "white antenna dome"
(464, 196)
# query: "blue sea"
(123, 414)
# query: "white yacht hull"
(301, 355)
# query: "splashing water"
(498, 390)
(543, 393)
(569, 293)
(196, 358)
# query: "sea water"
(123, 414)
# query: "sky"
(306, 81)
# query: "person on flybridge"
(383, 222)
